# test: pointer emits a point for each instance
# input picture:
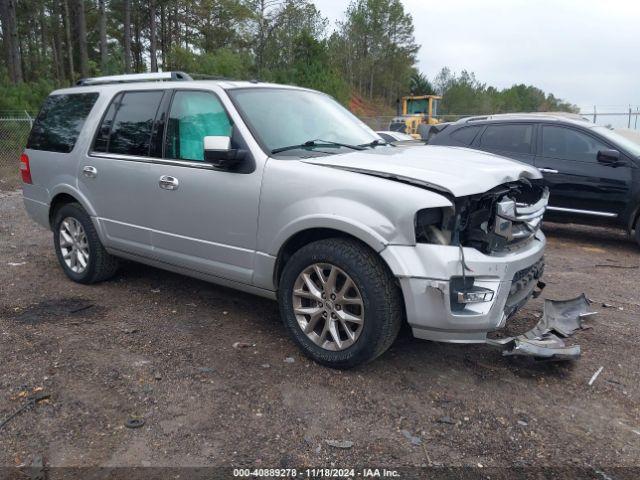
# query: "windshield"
(285, 117)
(627, 144)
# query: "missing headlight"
(430, 226)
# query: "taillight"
(25, 170)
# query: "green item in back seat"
(194, 115)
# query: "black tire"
(101, 265)
(637, 229)
(381, 298)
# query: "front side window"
(569, 144)
(60, 121)
(283, 117)
(194, 115)
(127, 125)
(514, 138)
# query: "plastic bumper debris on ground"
(561, 318)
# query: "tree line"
(371, 52)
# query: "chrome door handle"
(548, 170)
(90, 171)
(168, 183)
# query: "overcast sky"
(584, 51)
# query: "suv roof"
(565, 117)
(134, 81)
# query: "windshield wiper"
(376, 143)
(316, 143)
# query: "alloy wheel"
(328, 306)
(74, 245)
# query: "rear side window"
(60, 121)
(127, 125)
(465, 135)
(514, 138)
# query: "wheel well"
(58, 202)
(299, 240)
(636, 222)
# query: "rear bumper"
(425, 272)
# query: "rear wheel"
(638, 231)
(78, 248)
(339, 303)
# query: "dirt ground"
(158, 346)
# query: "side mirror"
(218, 152)
(609, 156)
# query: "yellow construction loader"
(413, 110)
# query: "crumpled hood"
(459, 171)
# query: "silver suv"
(280, 191)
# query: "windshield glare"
(282, 117)
(627, 144)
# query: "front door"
(204, 219)
(579, 184)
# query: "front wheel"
(339, 302)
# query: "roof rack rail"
(135, 77)
(476, 118)
(206, 76)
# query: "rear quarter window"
(465, 135)
(60, 121)
(510, 137)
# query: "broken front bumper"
(430, 276)
(561, 318)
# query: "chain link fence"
(14, 130)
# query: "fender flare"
(82, 200)
(75, 193)
(346, 225)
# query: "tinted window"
(193, 116)
(59, 122)
(131, 129)
(465, 135)
(102, 138)
(558, 142)
(509, 138)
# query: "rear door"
(117, 174)
(512, 140)
(206, 220)
(579, 184)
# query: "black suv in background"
(592, 171)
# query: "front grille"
(519, 221)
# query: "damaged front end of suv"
(485, 256)
(493, 222)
